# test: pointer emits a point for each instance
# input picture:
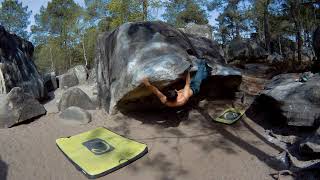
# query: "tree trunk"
(84, 52)
(145, 10)
(51, 59)
(299, 41)
(295, 12)
(266, 26)
(280, 47)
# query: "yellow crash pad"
(99, 152)
(230, 116)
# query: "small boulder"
(68, 80)
(75, 115)
(17, 106)
(311, 146)
(75, 97)
(81, 73)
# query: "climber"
(176, 98)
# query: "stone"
(68, 80)
(17, 107)
(311, 145)
(50, 81)
(289, 161)
(80, 72)
(245, 50)
(75, 97)
(146, 49)
(92, 76)
(16, 66)
(295, 102)
(75, 115)
(198, 30)
(207, 49)
(275, 58)
(256, 69)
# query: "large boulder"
(16, 66)
(75, 97)
(17, 106)
(245, 50)
(146, 49)
(291, 101)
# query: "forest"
(65, 33)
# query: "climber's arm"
(155, 91)
(187, 85)
(187, 89)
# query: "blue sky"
(34, 6)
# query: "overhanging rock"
(147, 49)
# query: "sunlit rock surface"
(16, 66)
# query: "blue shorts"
(201, 75)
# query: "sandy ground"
(192, 148)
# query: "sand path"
(194, 149)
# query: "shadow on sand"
(3, 170)
(164, 118)
(262, 156)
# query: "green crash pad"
(99, 152)
(230, 116)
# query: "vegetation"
(15, 17)
(65, 33)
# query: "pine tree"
(181, 12)
(15, 17)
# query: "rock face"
(16, 67)
(50, 81)
(206, 49)
(198, 30)
(146, 49)
(17, 106)
(75, 115)
(75, 97)
(295, 102)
